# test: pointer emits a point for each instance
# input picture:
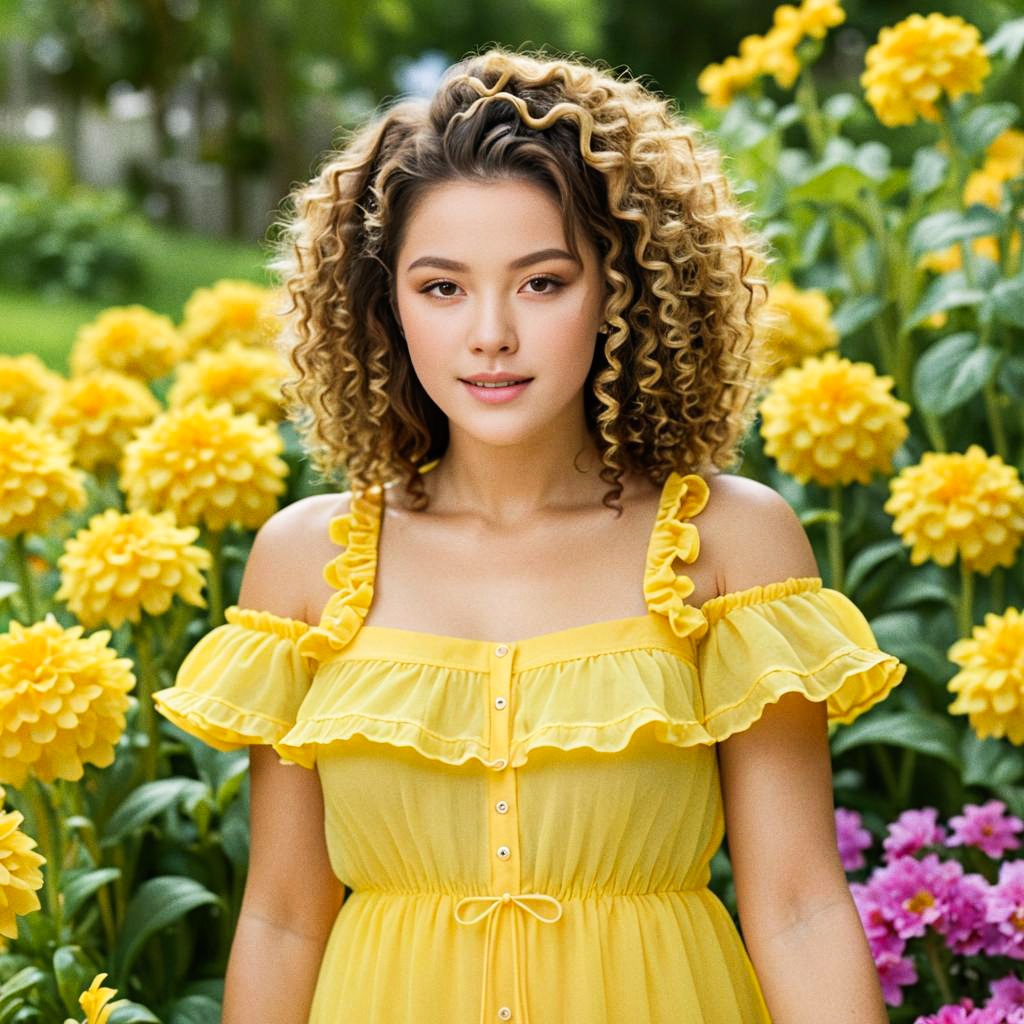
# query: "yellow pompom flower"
(38, 483)
(207, 465)
(818, 16)
(94, 1002)
(722, 83)
(130, 339)
(25, 382)
(63, 701)
(797, 324)
(774, 53)
(832, 421)
(230, 310)
(98, 414)
(917, 61)
(247, 377)
(124, 563)
(990, 683)
(950, 504)
(20, 877)
(1004, 157)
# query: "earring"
(605, 328)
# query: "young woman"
(479, 689)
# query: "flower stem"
(145, 685)
(21, 567)
(834, 529)
(966, 607)
(73, 792)
(807, 99)
(214, 540)
(934, 956)
(49, 843)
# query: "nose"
(493, 330)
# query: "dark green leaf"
(127, 1012)
(77, 891)
(923, 731)
(146, 802)
(990, 762)
(951, 372)
(1008, 301)
(870, 558)
(1011, 377)
(946, 227)
(947, 291)
(912, 589)
(195, 1009)
(855, 312)
(925, 660)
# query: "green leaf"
(925, 660)
(975, 132)
(928, 171)
(990, 762)
(948, 291)
(951, 372)
(839, 106)
(1007, 300)
(74, 974)
(1008, 40)
(870, 558)
(78, 890)
(924, 731)
(812, 242)
(156, 904)
(127, 1012)
(912, 589)
(944, 228)
(194, 1009)
(146, 802)
(840, 184)
(855, 312)
(1011, 377)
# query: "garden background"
(145, 149)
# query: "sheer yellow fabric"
(535, 817)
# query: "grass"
(175, 265)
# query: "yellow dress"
(527, 826)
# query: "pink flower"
(1007, 994)
(986, 827)
(895, 972)
(963, 1012)
(1006, 908)
(967, 928)
(915, 894)
(853, 838)
(911, 831)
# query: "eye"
(546, 280)
(429, 289)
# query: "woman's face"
(485, 285)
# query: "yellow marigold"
(818, 16)
(797, 324)
(207, 465)
(944, 260)
(25, 381)
(832, 421)
(775, 53)
(1004, 157)
(230, 310)
(983, 187)
(98, 414)
(130, 339)
(990, 683)
(37, 480)
(94, 1002)
(950, 504)
(20, 877)
(64, 701)
(721, 83)
(124, 563)
(247, 377)
(915, 62)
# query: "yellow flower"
(944, 260)
(37, 481)
(98, 413)
(64, 698)
(915, 62)
(20, 877)
(797, 324)
(94, 1002)
(124, 563)
(983, 187)
(832, 421)
(230, 310)
(990, 683)
(818, 16)
(130, 339)
(206, 465)
(970, 504)
(1004, 157)
(721, 83)
(25, 381)
(775, 53)
(247, 377)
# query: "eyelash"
(427, 289)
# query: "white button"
(501, 650)
(499, 703)
(504, 852)
(498, 764)
(505, 1013)
(501, 806)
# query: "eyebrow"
(524, 261)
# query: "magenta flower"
(853, 838)
(895, 972)
(1007, 994)
(967, 929)
(915, 894)
(1006, 908)
(963, 1012)
(912, 831)
(987, 828)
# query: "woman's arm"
(799, 921)
(292, 895)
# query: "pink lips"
(493, 396)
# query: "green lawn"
(175, 265)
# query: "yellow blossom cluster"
(832, 421)
(122, 564)
(990, 683)
(227, 311)
(795, 323)
(771, 54)
(25, 382)
(98, 413)
(207, 466)
(247, 377)
(20, 877)
(916, 62)
(950, 504)
(130, 339)
(64, 701)
(38, 483)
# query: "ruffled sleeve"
(242, 683)
(790, 636)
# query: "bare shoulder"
(754, 535)
(288, 554)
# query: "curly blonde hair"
(669, 389)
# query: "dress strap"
(674, 537)
(352, 573)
